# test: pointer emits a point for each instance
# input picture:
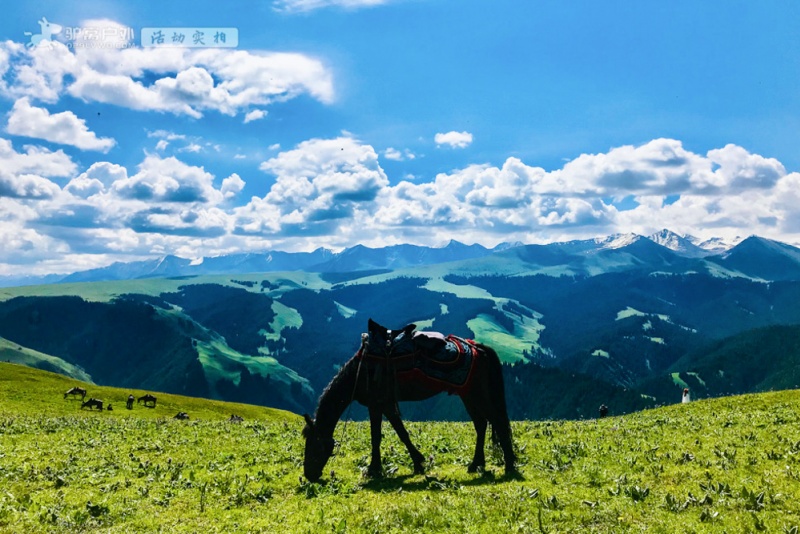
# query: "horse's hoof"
(513, 473)
(419, 469)
(475, 468)
(375, 472)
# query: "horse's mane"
(338, 394)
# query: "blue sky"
(337, 122)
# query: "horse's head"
(318, 450)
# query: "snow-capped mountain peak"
(618, 240)
(682, 244)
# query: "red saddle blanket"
(442, 363)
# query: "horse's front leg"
(479, 422)
(393, 415)
(375, 468)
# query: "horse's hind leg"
(393, 415)
(479, 421)
(501, 433)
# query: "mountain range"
(626, 320)
(361, 258)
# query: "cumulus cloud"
(64, 128)
(26, 186)
(317, 183)
(333, 192)
(454, 139)
(168, 180)
(96, 179)
(231, 186)
(35, 160)
(181, 81)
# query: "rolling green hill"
(277, 339)
(762, 359)
(721, 465)
(31, 392)
(15, 353)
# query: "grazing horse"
(92, 403)
(379, 387)
(236, 418)
(148, 400)
(182, 416)
(75, 391)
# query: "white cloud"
(302, 6)
(191, 147)
(166, 135)
(64, 128)
(454, 139)
(162, 144)
(179, 81)
(29, 186)
(168, 180)
(254, 115)
(35, 160)
(393, 154)
(396, 155)
(319, 184)
(97, 179)
(232, 186)
(333, 192)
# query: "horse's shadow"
(413, 482)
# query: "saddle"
(446, 362)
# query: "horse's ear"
(372, 325)
(309, 421)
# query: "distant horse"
(76, 391)
(92, 403)
(379, 388)
(236, 419)
(148, 400)
(129, 404)
(181, 415)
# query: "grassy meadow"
(723, 465)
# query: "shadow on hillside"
(428, 482)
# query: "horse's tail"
(495, 372)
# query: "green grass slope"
(722, 465)
(15, 353)
(761, 359)
(25, 391)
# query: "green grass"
(15, 353)
(723, 465)
(108, 290)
